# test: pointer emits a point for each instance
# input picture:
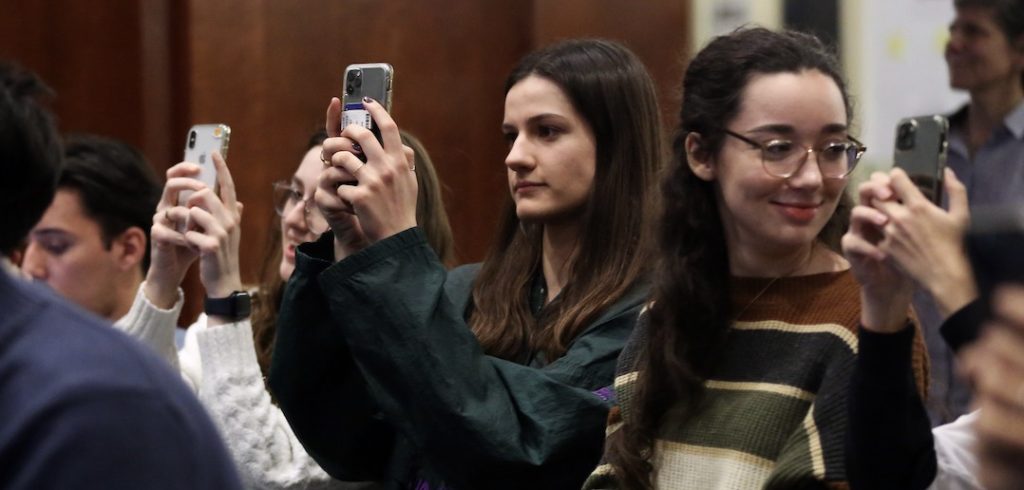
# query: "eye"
(54, 245)
(835, 150)
(510, 138)
(548, 132)
(778, 149)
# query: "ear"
(698, 158)
(130, 247)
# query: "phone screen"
(994, 243)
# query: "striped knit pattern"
(774, 414)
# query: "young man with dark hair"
(82, 405)
(92, 244)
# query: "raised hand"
(170, 254)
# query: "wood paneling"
(144, 71)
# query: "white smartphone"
(200, 143)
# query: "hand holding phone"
(920, 151)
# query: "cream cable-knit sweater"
(219, 364)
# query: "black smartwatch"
(235, 307)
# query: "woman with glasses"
(737, 374)
(226, 355)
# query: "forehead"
(67, 212)
(536, 95)
(309, 167)
(808, 99)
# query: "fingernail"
(368, 100)
(356, 148)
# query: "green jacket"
(381, 379)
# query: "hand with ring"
(170, 255)
(381, 191)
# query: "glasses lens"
(282, 193)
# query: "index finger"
(390, 137)
(227, 184)
(333, 122)
(906, 190)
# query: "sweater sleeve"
(316, 384)
(155, 327)
(479, 421)
(262, 444)
(890, 441)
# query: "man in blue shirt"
(82, 405)
(985, 57)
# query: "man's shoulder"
(69, 380)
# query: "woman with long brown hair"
(490, 376)
(738, 372)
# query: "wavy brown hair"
(692, 309)
(430, 216)
(610, 88)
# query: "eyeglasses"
(285, 199)
(783, 158)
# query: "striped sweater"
(774, 413)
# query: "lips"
(525, 185)
(800, 212)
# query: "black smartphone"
(921, 145)
(995, 245)
(372, 80)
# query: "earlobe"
(698, 158)
(131, 246)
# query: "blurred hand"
(926, 241)
(885, 290)
(995, 365)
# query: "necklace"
(772, 282)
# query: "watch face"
(235, 307)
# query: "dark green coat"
(381, 379)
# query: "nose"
(295, 216)
(955, 43)
(808, 176)
(34, 262)
(518, 158)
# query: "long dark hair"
(430, 216)
(692, 310)
(610, 88)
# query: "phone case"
(200, 142)
(921, 144)
(372, 80)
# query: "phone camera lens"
(191, 139)
(905, 136)
(349, 89)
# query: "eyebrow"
(534, 119)
(789, 130)
(45, 232)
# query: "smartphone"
(921, 144)
(372, 80)
(200, 143)
(994, 243)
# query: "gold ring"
(360, 167)
(412, 168)
(327, 163)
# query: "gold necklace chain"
(773, 281)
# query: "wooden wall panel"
(656, 30)
(144, 71)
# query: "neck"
(812, 258)
(559, 246)
(344, 248)
(989, 106)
